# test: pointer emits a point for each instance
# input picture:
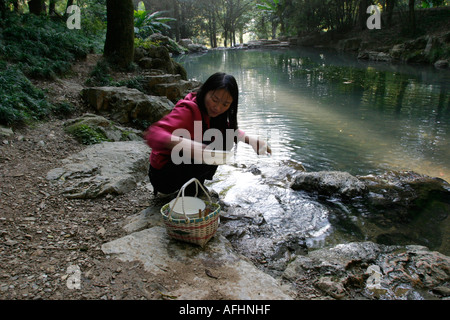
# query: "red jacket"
(183, 115)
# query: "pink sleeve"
(159, 134)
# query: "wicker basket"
(198, 230)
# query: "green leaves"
(269, 5)
(146, 23)
(20, 101)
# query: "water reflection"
(332, 112)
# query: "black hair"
(220, 80)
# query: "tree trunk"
(119, 44)
(389, 11)
(51, 7)
(412, 16)
(363, 5)
(2, 10)
(176, 15)
(36, 6)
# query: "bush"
(42, 48)
(20, 101)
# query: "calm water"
(332, 112)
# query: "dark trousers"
(172, 177)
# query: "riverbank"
(395, 43)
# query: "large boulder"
(105, 168)
(158, 57)
(171, 86)
(329, 183)
(126, 105)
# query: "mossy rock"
(93, 129)
(86, 134)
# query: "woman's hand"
(260, 146)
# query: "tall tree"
(412, 16)
(36, 6)
(119, 44)
(2, 10)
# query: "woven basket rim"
(183, 220)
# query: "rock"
(397, 51)
(234, 277)
(166, 43)
(329, 183)
(106, 168)
(126, 105)
(368, 270)
(6, 132)
(171, 86)
(331, 287)
(264, 43)
(100, 125)
(159, 57)
(145, 63)
(195, 48)
(409, 207)
(185, 42)
(441, 64)
(374, 56)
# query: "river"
(330, 111)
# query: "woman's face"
(217, 102)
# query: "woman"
(214, 106)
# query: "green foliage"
(63, 109)
(41, 47)
(100, 75)
(84, 134)
(170, 44)
(432, 3)
(20, 101)
(268, 5)
(147, 23)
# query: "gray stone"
(185, 42)
(6, 132)
(125, 105)
(194, 47)
(108, 129)
(215, 270)
(369, 270)
(441, 64)
(374, 56)
(171, 86)
(109, 167)
(329, 183)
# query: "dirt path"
(44, 237)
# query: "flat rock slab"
(214, 271)
(109, 167)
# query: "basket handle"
(197, 183)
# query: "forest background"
(37, 42)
